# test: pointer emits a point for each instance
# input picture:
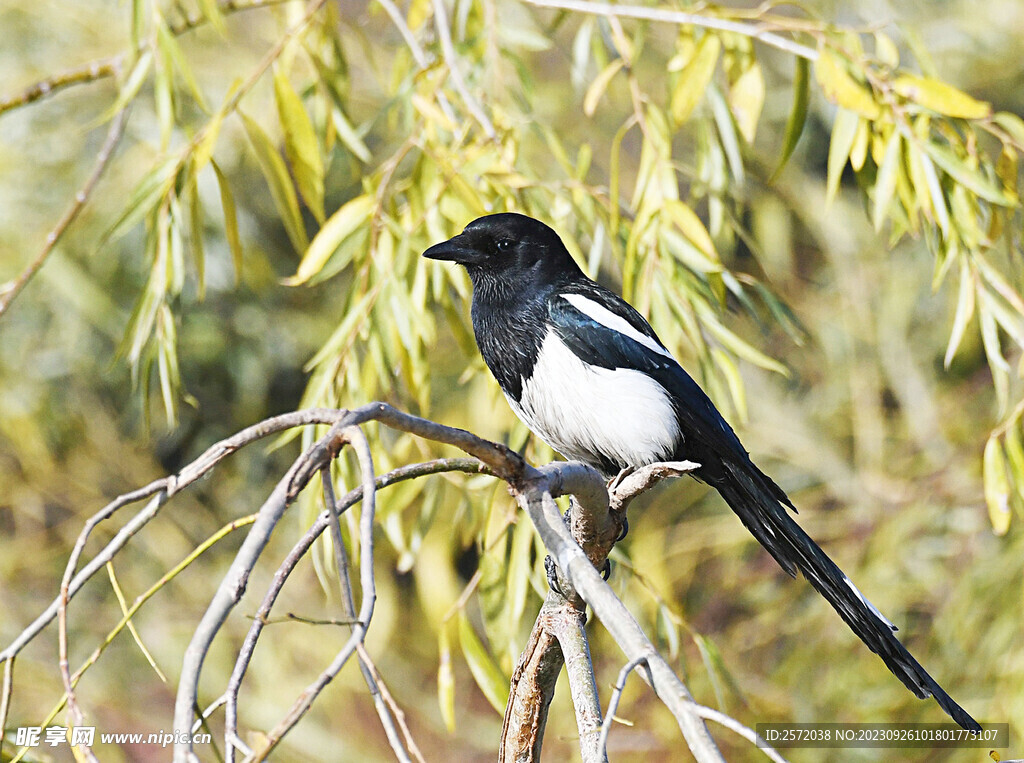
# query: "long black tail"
(759, 503)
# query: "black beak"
(453, 249)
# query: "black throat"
(509, 321)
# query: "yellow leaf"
(885, 184)
(300, 144)
(746, 98)
(599, 85)
(691, 226)
(938, 96)
(843, 133)
(841, 88)
(886, 51)
(446, 682)
(997, 486)
(488, 676)
(339, 226)
(694, 78)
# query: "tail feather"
(757, 502)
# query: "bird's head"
(507, 246)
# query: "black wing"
(705, 431)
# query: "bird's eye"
(504, 244)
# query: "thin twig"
(349, 610)
(613, 703)
(754, 31)
(417, 52)
(451, 60)
(164, 488)
(735, 726)
(101, 68)
(12, 289)
(367, 584)
(299, 550)
(5, 696)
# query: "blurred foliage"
(254, 247)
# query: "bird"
(588, 375)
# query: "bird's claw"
(551, 571)
(623, 528)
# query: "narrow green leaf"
(147, 194)
(281, 188)
(885, 182)
(938, 198)
(695, 77)
(964, 310)
(212, 12)
(727, 133)
(338, 227)
(446, 680)
(227, 203)
(746, 99)
(841, 88)
(1015, 454)
(171, 51)
(938, 96)
(797, 115)
(132, 84)
(886, 50)
(349, 137)
(300, 144)
(691, 226)
(488, 676)
(843, 132)
(737, 390)
(972, 179)
(599, 85)
(1013, 125)
(859, 151)
(997, 486)
(195, 229)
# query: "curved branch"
(12, 289)
(754, 31)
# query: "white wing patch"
(868, 604)
(610, 320)
(585, 412)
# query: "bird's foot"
(551, 571)
(623, 528)
(606, 569)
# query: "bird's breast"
(609, 418)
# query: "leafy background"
(253, 247)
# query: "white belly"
(585, 412)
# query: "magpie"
(589, 376)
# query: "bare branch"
(744, 731)
(613, 703)
(417, 51)
(754, 31)
(369, 597)
(569, 627)
(349, 610)
(101, 68)
(302, 546)
(451, 61)
(10, 290)
(537, 501)
(164, 489)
